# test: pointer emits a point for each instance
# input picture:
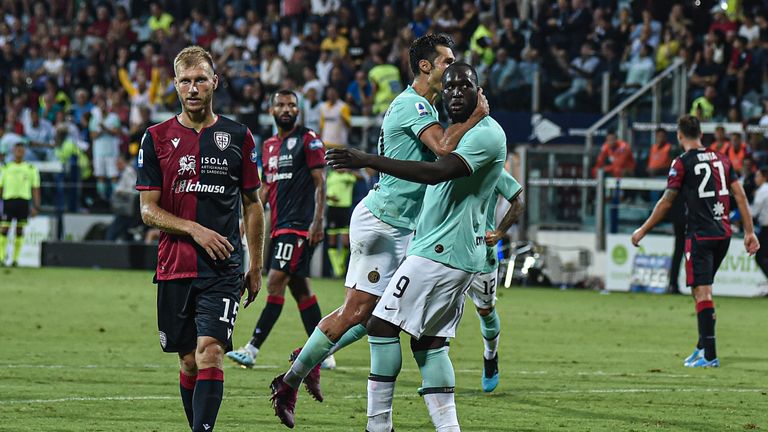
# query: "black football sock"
(310, 314)
(267, 320)
(187, 389)
(705, 312)
(207, 398)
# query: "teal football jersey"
(395, 201)
(509, 188)
(451, 230)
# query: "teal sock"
(386, 358)
(313, 352)
(352, 335)
(438, 382)
(436, 370)
(490, 327)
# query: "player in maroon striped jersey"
(194, 172)
(294, 185)
(707, 181)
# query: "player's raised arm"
(443, 169)
(751, 244)
(444, 141)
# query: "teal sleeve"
(507, 186)
(416, 115)
(477, 149)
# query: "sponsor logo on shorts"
(163, 340)
(389, 308)
(439, 248)
(374, 276)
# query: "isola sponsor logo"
(184, 186)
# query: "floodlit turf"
(79, 352)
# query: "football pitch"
(79, 352)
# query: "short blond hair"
(192, 56)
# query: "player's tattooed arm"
(751, 244)
(443, 169)
(216, 245)
(511, 217)
(658, 214)
(316, 227)
(253, 217)
(443, 142)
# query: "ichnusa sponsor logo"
(185, 186)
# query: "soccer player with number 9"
(707, 182)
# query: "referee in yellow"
(19, 184)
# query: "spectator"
(582, 71)
(82, 104)
(705, 73)
(39, 131)
(720, 21)
(738, 151)
(720, 143)
(8, 139)
(386, 82)
(335, 120)
(667, 51)
(288, 43)
(334, 42)
(105, 128)
(639, 70)
(503, 79)
(124, 202)
(359, 94)
(420, 24)
(159, 19)
(273, 70)
(750, 30)
(310, 109)
(739, 67)
(704, 107)
(615, 157)
(660, 158)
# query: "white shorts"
(425, 298)
(482, 291)
(105, 166)
(376, 249)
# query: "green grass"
(79, 352)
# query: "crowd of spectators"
(80, 80)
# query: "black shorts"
(188, 308)
(338, 217)
(291, 253)
(702, 259)
(15, 209)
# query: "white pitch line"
(399, 396)
(347, 368)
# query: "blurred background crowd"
(81, 80)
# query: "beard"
(285, 124)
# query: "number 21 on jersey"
(705, 169)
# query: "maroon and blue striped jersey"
(201, 176)
(704, 178)
(287, 163)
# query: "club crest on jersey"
(187, 165)
(222, 140)
(422, 109)
(291, 143)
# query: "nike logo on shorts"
(389, 308)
